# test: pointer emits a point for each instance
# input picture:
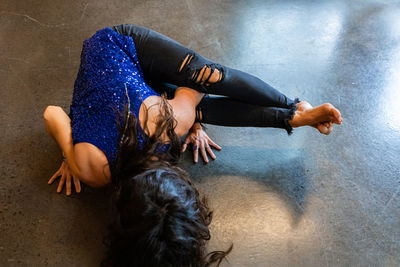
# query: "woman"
(120, 130)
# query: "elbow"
(50, 111)
(91, 165)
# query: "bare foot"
(321, 117)
(323, 127)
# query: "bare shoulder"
(93, 165)
(150, 110)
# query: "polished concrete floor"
(300, 200)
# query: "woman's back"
(108, 64)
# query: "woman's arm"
(85, 161)
(58, 126)
(184, 107)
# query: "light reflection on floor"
(390, 97)
(320, 29)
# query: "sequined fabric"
(108, 62)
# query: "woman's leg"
(224, 111)
(165, 60)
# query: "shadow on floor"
(278, 171)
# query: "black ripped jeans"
(244, 100)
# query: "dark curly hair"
(161, 219)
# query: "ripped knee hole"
(207, 75)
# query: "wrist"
(63, 157)
(196, 126)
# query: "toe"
(322, 128)
(330, 127)
(335, 114)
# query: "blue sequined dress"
(108, 62)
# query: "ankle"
(296, 119)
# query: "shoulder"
(93, 165)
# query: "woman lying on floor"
(121, 131)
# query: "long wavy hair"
(161, 219)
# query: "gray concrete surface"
(303, 200)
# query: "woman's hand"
(66, 176)
(200, 140)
